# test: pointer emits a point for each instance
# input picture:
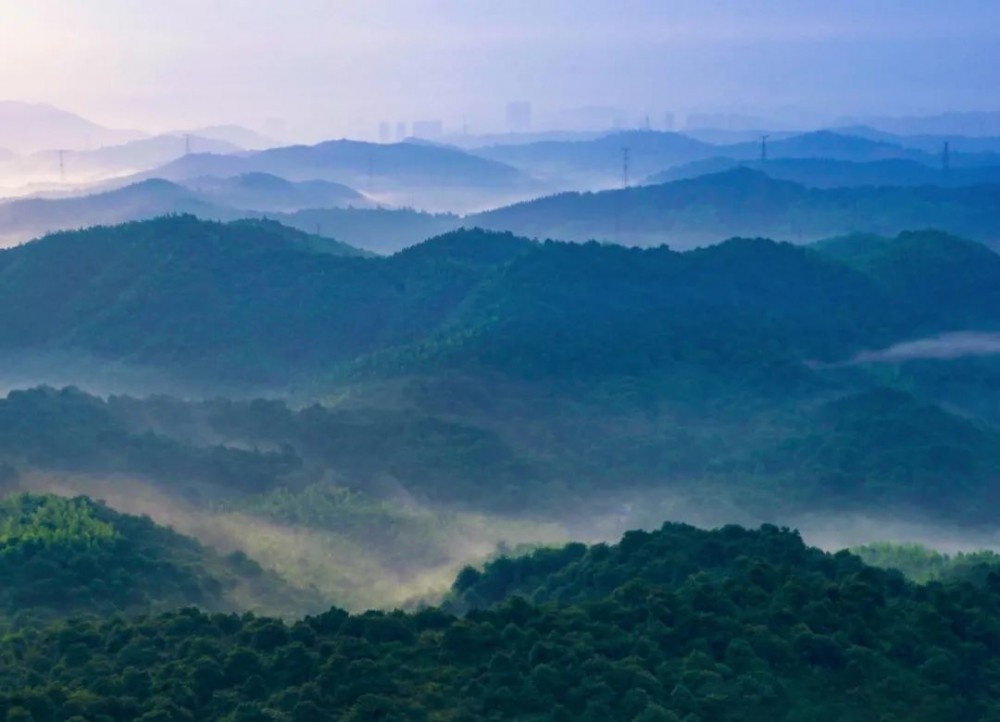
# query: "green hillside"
(252, 302)
(61, 557)
(923, 268)
(885, 447)
(68, 430)
(233, 302)
(481, 368)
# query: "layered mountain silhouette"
(270, 193)
(744, 201)
(29, 127)
(431, 176)
(252, 195)
(601, 162)
(584, 163)
(827, 173)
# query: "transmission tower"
(946, 157)
(187, 144)
(763, 148)
(625, 152)
(62, 166)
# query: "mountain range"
(66, 169)
(598, 162)
(134, 280)
(708, 208)
(29, 127)
(928, 142)
(560, 360)
(481, 387)
(211, 198)
(682, 213)
(430, 176)
(827, 173)
(611, 160)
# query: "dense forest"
(483, 397)
(500, 362)
(249, 303)
(750, 368)
(677, 624)
(877, 446)
(370, 508)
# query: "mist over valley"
(448, 362)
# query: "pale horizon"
(304, 71)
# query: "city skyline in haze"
(306, 70)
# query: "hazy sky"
(334, 67)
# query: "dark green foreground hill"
(677, 624)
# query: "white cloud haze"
(335, 68)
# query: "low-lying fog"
(944, 346)
(348, 572)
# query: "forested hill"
(742, 201)
(254, 302)
(539, 367)
(235, 301)
(678, 624)
(666, 558)
(61, 557)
